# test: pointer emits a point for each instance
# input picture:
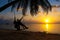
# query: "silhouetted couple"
(18, 24)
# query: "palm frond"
(18, 5)
(33, 7)
(46, 6)
(25, 5)
(8, 5)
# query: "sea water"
(50, 28)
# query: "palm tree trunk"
(8, 5)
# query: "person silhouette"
(21, 24)
(18, 24)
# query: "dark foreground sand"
(25, 35)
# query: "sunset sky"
(53, 16)
(41, 17)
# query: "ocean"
(50, 28)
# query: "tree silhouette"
(24, 4)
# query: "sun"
(46, 21)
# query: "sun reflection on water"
(47, 27)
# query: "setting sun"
(46, 20)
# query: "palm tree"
(32, 4)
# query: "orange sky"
(53, 16)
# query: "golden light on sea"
(47, 27)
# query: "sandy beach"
(26, 35)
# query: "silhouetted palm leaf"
(8, 5)
(33, 4)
